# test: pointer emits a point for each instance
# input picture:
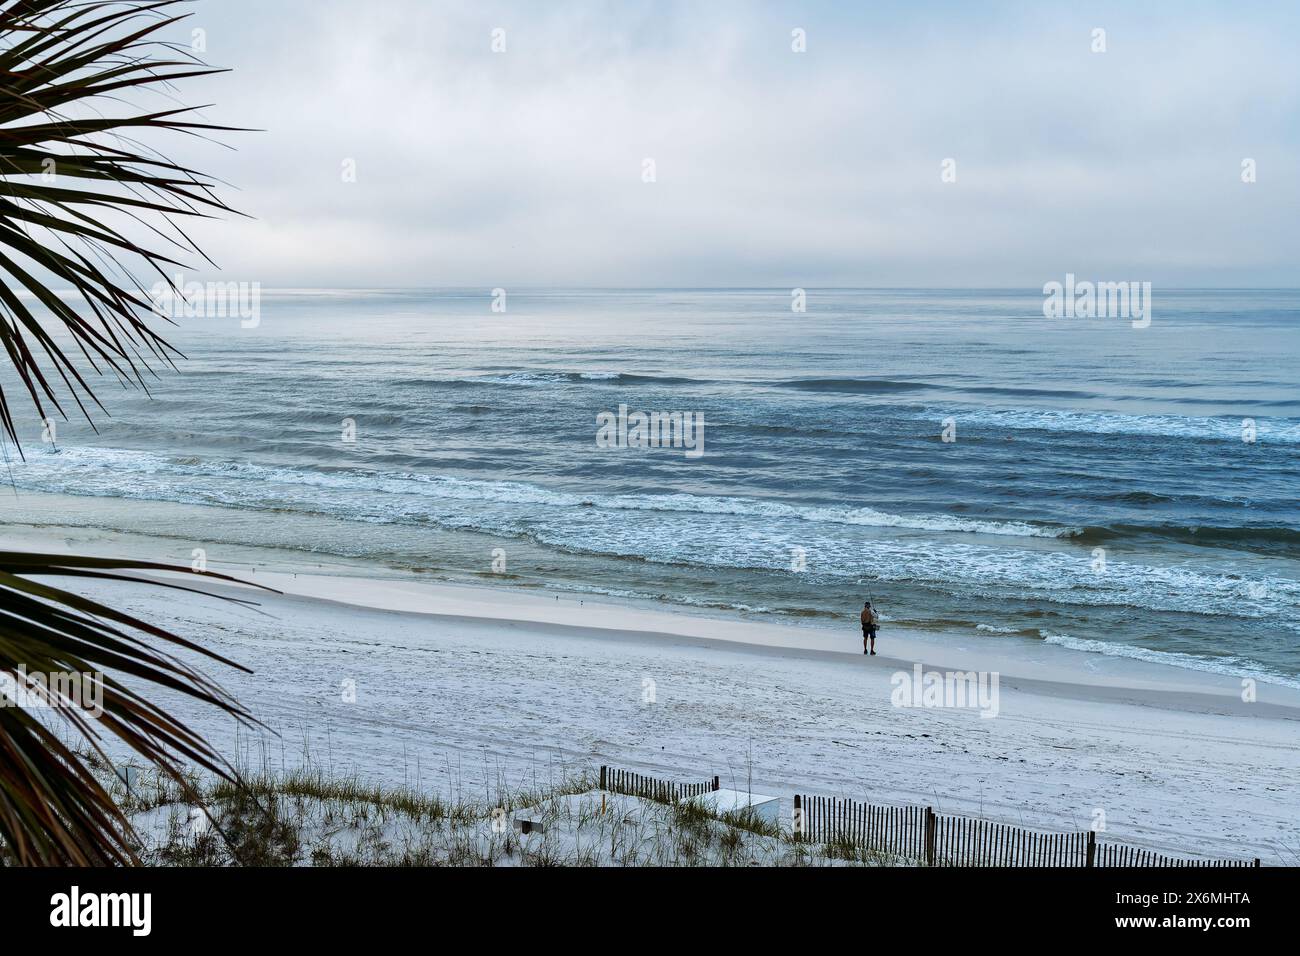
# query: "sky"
(527, 167)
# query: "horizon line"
(290, 289)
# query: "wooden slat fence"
(962, 841)
(651, 788)
(897, 830)
(918, 833)
(1116, 854)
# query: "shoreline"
(368, 584)
(1064, 672)
(243, 540)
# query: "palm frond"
(52, 809)
(77, 188)
(84, 207)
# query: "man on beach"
(869, 622)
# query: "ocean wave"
(995, 629)
(1231, 666)
(526, 378)
(1022, 392)
(1269, 539)
(1277, 430)
(852, 386)
(569, 587)
(874, 386)
(123, 461)
(835, 514)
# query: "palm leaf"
(67, 68)
(52, 810)
(59, 59)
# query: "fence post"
(1092, 848)
(798, 818)
(929, 836)
(602, 777)
(716, 784)
(1257, 861)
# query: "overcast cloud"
(774, 168)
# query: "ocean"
(970, 464)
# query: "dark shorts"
(868, 632)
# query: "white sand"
(460, 687)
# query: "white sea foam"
(694, 531)
(1281, 430)
(1231, 666)
(124, 462)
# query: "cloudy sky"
(776, 168)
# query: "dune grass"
(307, 816)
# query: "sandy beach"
(457, 688)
